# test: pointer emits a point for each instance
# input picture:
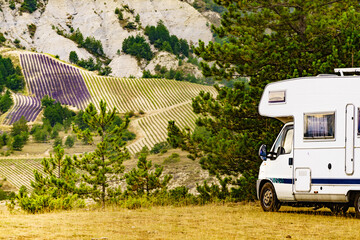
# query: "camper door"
(280, 166)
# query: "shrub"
(41, 135)
(160, 148)
(73, 57)
(94, 46)
(57, 142)
(2, 38)
(29, 6)
(160, 37)
(138, 47)
(32, 30)
(12, 4)
(173, 158)
(70, 141)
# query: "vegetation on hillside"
(160, 37)
(54, 112)
(28, 6)
(10, 76)
(138, 47)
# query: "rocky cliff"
(97, 18)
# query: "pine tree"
(266, 41)
(104, 165)
(144, 179)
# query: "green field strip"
(154, 95)
(143, 85)
(168, 88)
(121, 101)
(148, 132)
(134, 95)
(90, 85)
(143, 102)
(146, 89)
(128, 95)
(17, 173)
(120, 86)
(155, 128)
(101, 91)
(111, 92)
(97, 92)
(114, 84)
(106, 96)
(162, 95)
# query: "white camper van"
(315, 160)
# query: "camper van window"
(319, 126)
(288, 141)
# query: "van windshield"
(284, 142)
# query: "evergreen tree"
(6, 102)
(104, 164)
(144, 180)
(58, 188)
(20, 134)
(266, 41)
(73, 57)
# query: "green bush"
(41, 135)
(32, 29)
(45, 203)
(73, 57)
(12, 4)
(173, 158)
(29, 6)
(138, 47)
(2, 38)
(160, 37)
(57, 142)
(161, 147)
(70, 141)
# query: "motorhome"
(315, 160)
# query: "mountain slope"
(97, 19)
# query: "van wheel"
(268, 199)
(357, 205)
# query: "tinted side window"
(319, 125)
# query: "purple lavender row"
(62, 82)
(29, 107)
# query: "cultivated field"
(228, 221)
(19, 171)
(158, 100)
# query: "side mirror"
(263, 152)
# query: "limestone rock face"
(125, 66)
(97, 18)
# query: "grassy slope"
(229, 221)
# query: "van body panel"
(324, 112)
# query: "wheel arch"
(261, 184)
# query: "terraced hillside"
(161, 99)
(19, 171)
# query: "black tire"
(268, 199)
(357, 205)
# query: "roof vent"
(355, 71)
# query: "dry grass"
(230, 221)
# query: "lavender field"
(26, 106)
(47, 76)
